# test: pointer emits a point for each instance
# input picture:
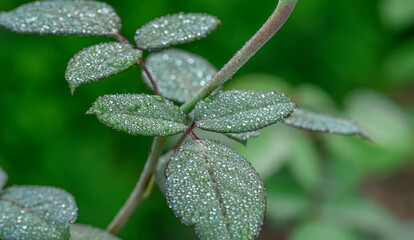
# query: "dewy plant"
(207, 184)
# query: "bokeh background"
(351, 58)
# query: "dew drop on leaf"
(76, 17)
(214, 188)
(175, 29)
(239, 111)
(140, 114)
(100, 61)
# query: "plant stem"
(120, 38)
(272, 25)
(139, 191)
(154, 85)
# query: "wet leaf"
(140, 114)
(215, 189)
(85, 232)
(33, 212)
(3, 178)
(243, 137)
(100, 61)
(308, 120)
(75, 17)
(239, 111)
(175, 29)
(178, 74)
(160, 179)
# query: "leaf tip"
(72, 90)
(365, 136)
(92, 110)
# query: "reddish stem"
(154, 85)
(190, 130)
(120, 38)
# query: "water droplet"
(158, 98)
(116, 65)
(133, 107)
(244, 231)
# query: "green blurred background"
(350, 58)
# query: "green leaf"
(178, 74)
(215, 189)
(243, 137)
(34, 212)
(85, 232)
(239, 111)
(175, 29)
(140, 114)
(100, 61)
(160, 179)
(75, 17)
(304, 119)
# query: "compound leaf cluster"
(207, 184)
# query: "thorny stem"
(272, 25)
(139, 191)
(154, 85)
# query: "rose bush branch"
(266, 32)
